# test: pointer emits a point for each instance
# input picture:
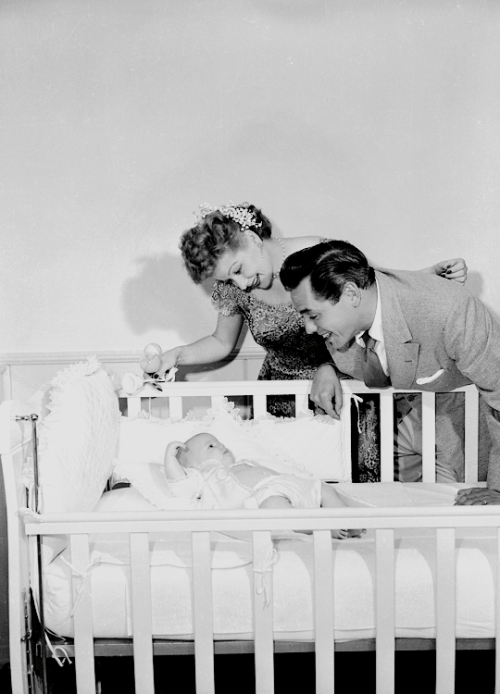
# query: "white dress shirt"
(377, 333)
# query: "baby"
(203, 468)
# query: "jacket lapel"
(402, 353)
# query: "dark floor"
(355, 672)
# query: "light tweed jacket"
(437, 337)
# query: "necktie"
(373, 373)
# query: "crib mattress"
(292, 579)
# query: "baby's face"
(203, 447)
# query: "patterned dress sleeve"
(225, 298)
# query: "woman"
(234, 245)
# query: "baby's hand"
(173, 448)
(173, 468)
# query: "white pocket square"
(429, 379)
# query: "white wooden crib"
(23, 529)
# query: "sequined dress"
(290, 352)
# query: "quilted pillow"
(77, 439)
(306, 445)
(311, 442)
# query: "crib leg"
(35, 649)
(29, 642)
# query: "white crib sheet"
(293, 576)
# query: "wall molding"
(5, 379)
(22, 373)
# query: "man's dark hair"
(329, 265)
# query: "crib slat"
(445, 611)
(302, 404)
(428, 437)
(386, 437)
(203, 617)
(385, 610)
(218, 401)
(346, 420)
(175, 407)
(323, 612)
(471, 435)
(141, 613)
(259, 405)
(133, 407)
(263, 612)
(82, 618)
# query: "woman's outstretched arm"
(208, 349)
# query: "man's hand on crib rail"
(477, 496)
(326, 391)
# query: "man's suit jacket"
(431, 325)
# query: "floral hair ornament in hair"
(239, 213)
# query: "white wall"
(375, 120)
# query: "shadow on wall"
(161, 296)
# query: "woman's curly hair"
(203, 245)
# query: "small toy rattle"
(149, 363)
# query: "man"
(425, 333)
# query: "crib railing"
(384, 522)
(176, 393)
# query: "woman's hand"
(454, 269)
(326, 391)
(169, 359)
(477, 496)
(207, 350)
